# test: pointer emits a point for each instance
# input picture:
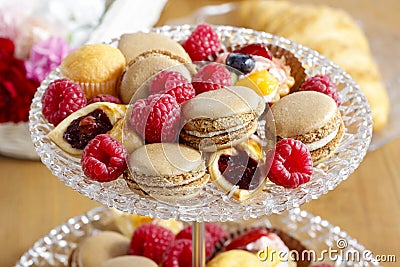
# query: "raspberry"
(103, 158)
(156, 118)
(172, 83)
(255, 49)
(151, 241)
(179, 254)
(186, 233)
(251, 236)
(62, 98)
(104, 98)
(211, 77)
(216, 232)
(202, 43)
(322, 84)
(292, 164)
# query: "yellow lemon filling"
(262, 82)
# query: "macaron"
(143, 67)
(167, 171)
(129, 261)
(312, 118)
(96, 249)
(134, 44)
(221, 118)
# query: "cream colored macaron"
(221, 118)
(167, 171)
(129, 261)
(145, 66)
(134, 44)
(96, 249)
(312, 118)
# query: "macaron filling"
(211, 134)
(323, 141)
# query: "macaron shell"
(129, 261)
(143, 68)
(224, 102)
(326, 151)
(165, 159)
(302, 112)
(134, 44)
(228, 139)
(236, 258)
(96, 249)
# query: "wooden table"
(367, 205)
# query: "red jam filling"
(240, 170)
(85, 128)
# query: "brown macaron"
(167, 171)
(134, 44)
(96, 249)
(221, 118)
(312, 118)
(143, 67)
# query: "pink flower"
(45, 57)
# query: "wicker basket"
(15, 141)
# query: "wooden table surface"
(367, 205)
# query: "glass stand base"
(198, 245)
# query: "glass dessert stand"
(212, 204)
(316, 234)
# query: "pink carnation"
(45, 57)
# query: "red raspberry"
(322, 84)
(104, 98)
(216, 232)
(172, 83)
(151, 241)
(61, 98)
(202, 43)
(179, 254)
(211, 77)
(186, 233)
(292, 164)
(156, 118)
(103, 158)
(243, 240)
(255, 49)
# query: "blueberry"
(242, 62)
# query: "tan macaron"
(96, 249)
(167, 171)
(221, 118)
(134, 44)
(312, 118)
(129, 261)
(143, 67)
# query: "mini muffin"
(95, 67)
(312, 118)
(221, 118)
(96, 249)
(167, 171)
(134, 44)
